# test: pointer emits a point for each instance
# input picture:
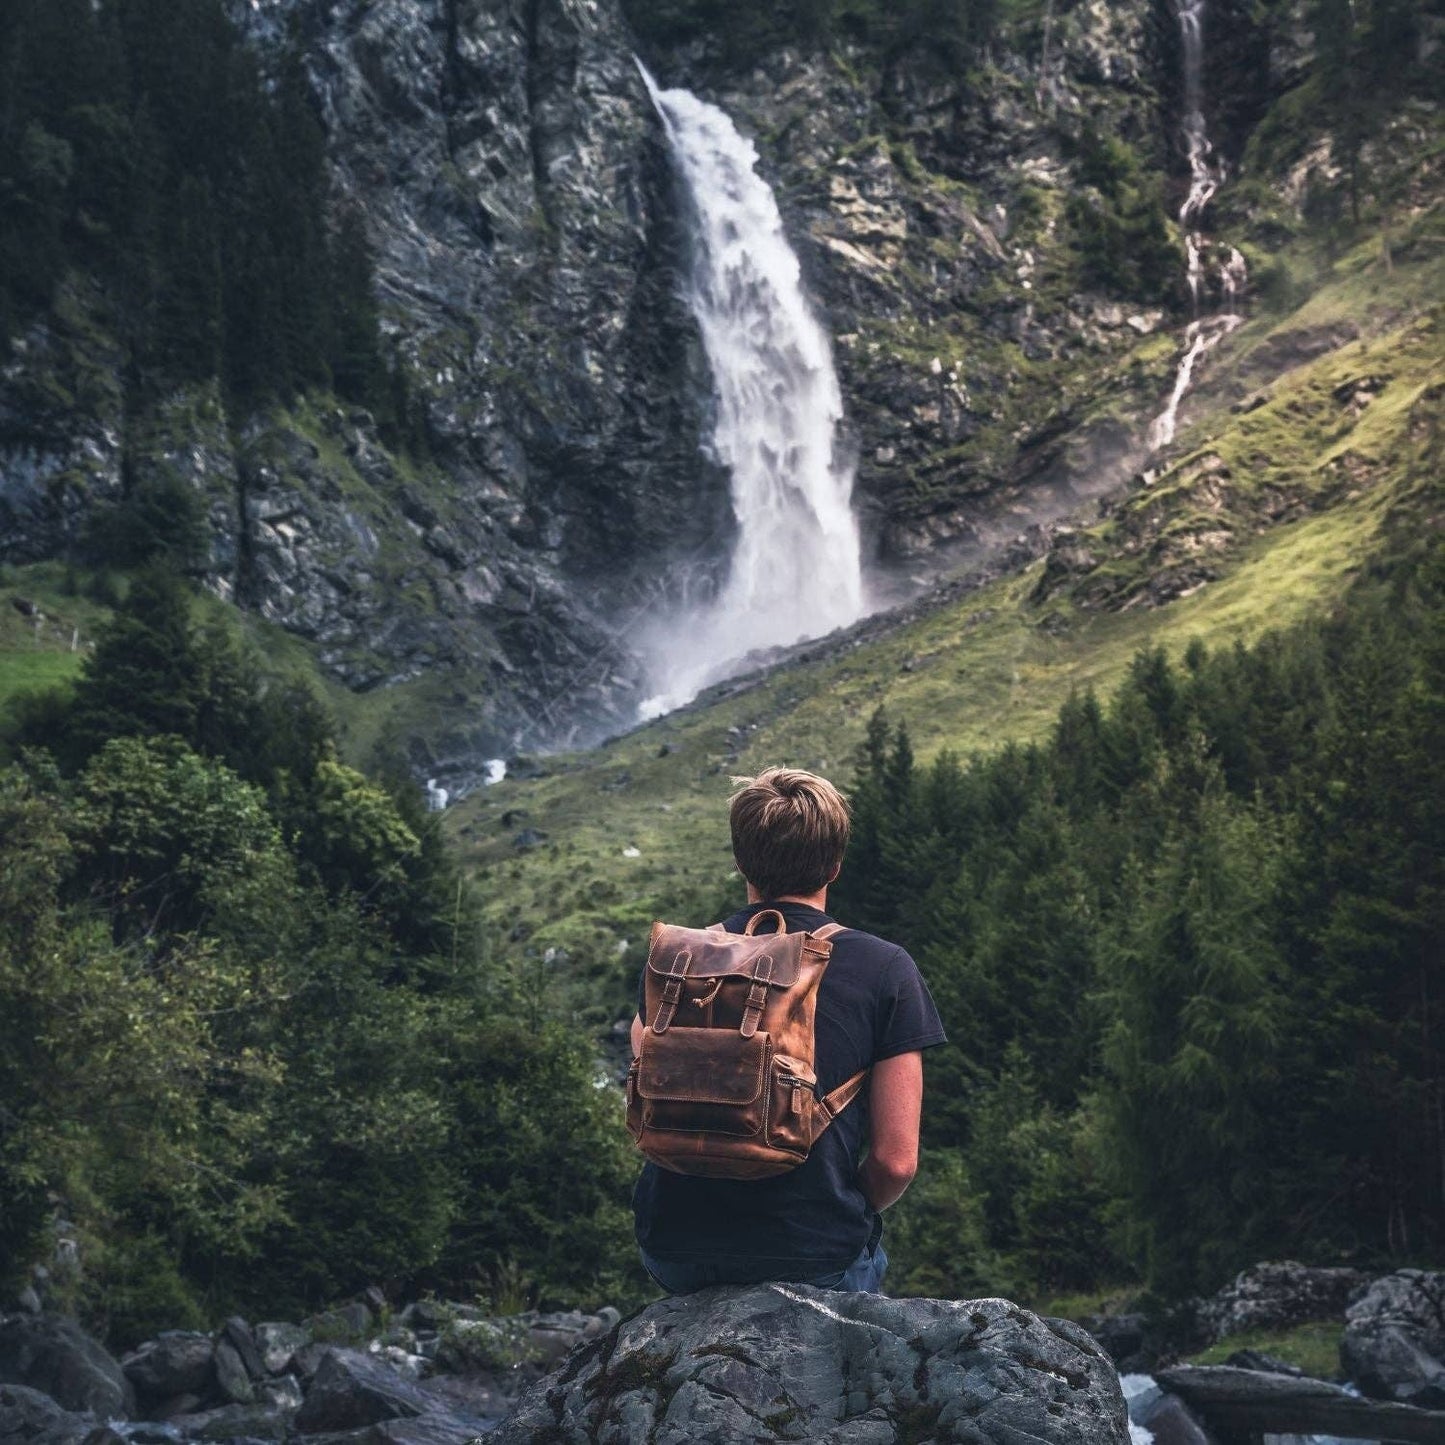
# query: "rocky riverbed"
(776, 1362)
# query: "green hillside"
(1300, 471)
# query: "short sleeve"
(906, 1018)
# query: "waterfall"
(795, 571)
(1206, 175)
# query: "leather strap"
(831, 1105)
(828, 930)
(671, 992)
(757, 996)
(751, 927)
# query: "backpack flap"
(704, 1080)
(705, 954)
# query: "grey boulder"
(1251, 1402)
(351, 1390)
(787, 1362)
(178, 1362)
(238, 1334)
(1394, 1341)
(277, 1343)
(232, 1380)
(28, 1417)
(1279, 1295)
(56, 1357)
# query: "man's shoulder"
(857, 940)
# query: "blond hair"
(790, 830)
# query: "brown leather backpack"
(725, 1085)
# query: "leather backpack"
(725, 1084)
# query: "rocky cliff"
(517, 193)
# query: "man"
(821, 1222)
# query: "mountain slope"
(1318, 444)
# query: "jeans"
(864, 1275)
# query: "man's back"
(813, 1220)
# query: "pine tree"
(144, 677)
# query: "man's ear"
(837, 869)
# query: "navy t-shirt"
(872, 1004)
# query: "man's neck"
(818, 900)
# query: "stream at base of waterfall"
(796, 569)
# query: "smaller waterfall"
(796, 570)
(1206, 175)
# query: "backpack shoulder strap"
(833, 1104)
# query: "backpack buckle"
(757, 996)
(671, 992)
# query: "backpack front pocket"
(701, 1080)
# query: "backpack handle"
(757, 918)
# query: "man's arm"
(637, 1030)
(895, 1107)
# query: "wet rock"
(29, 1417)
(277, 1342)
(1171, 1422)
(309, 1358)
(234, 1422)
(283, 1392)
(1279, 1295)
(232, 1381)
(1250, 1401)
(239, 1335)
(178, 1362)
(780, 1362)
(350, 1390)
(148, 1432)
(178, 1405)
(1394, 1340)
(54, 1355)
(434, 1428)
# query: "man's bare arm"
(895, 1109)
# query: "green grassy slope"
(46, 627)
(1290, 480)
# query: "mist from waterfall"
(1206, 175)
(795, 571)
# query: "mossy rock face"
(61, 423)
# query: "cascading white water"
(1206, 175)
(796, 570)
